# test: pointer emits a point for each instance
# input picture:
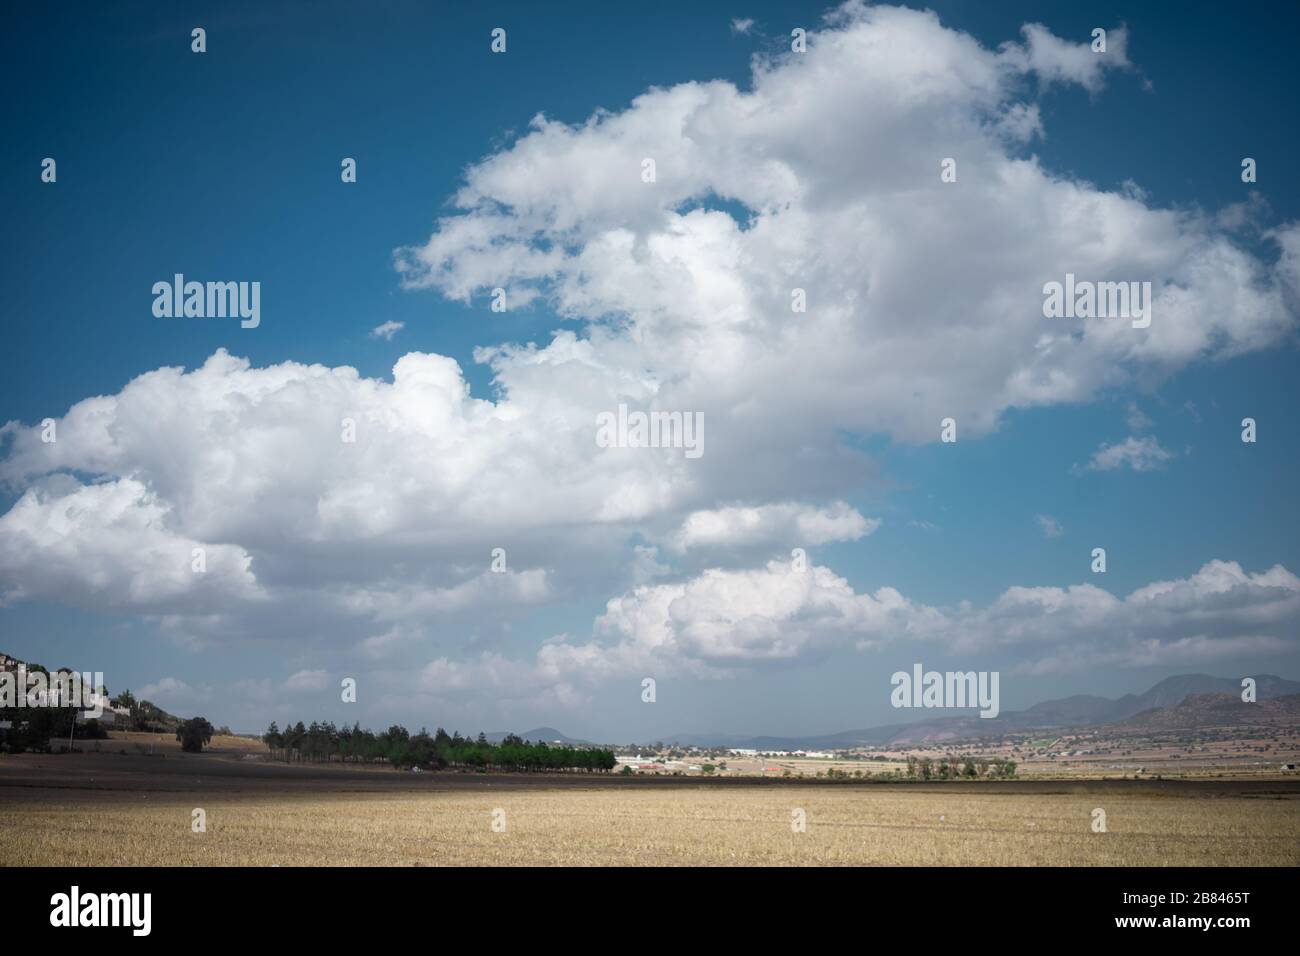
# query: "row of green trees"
(955, 768)
(40, 729)
(320, 742)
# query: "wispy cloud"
(387, 330)
(1050, 527)
(1139, 454)
(1138, 420)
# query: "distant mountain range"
(547, 735)
(1184, 701)
(1203, 711)
(1077, 711)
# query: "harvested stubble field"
(332, 817)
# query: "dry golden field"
(952, 825)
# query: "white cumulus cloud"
(787, 523)
(924, 301)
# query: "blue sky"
(225, 165)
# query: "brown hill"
(1198, 711)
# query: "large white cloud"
(115, 544)
(924, 301)
(721, 621)
(924, 298)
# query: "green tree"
(194, 734)
(272, 737)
